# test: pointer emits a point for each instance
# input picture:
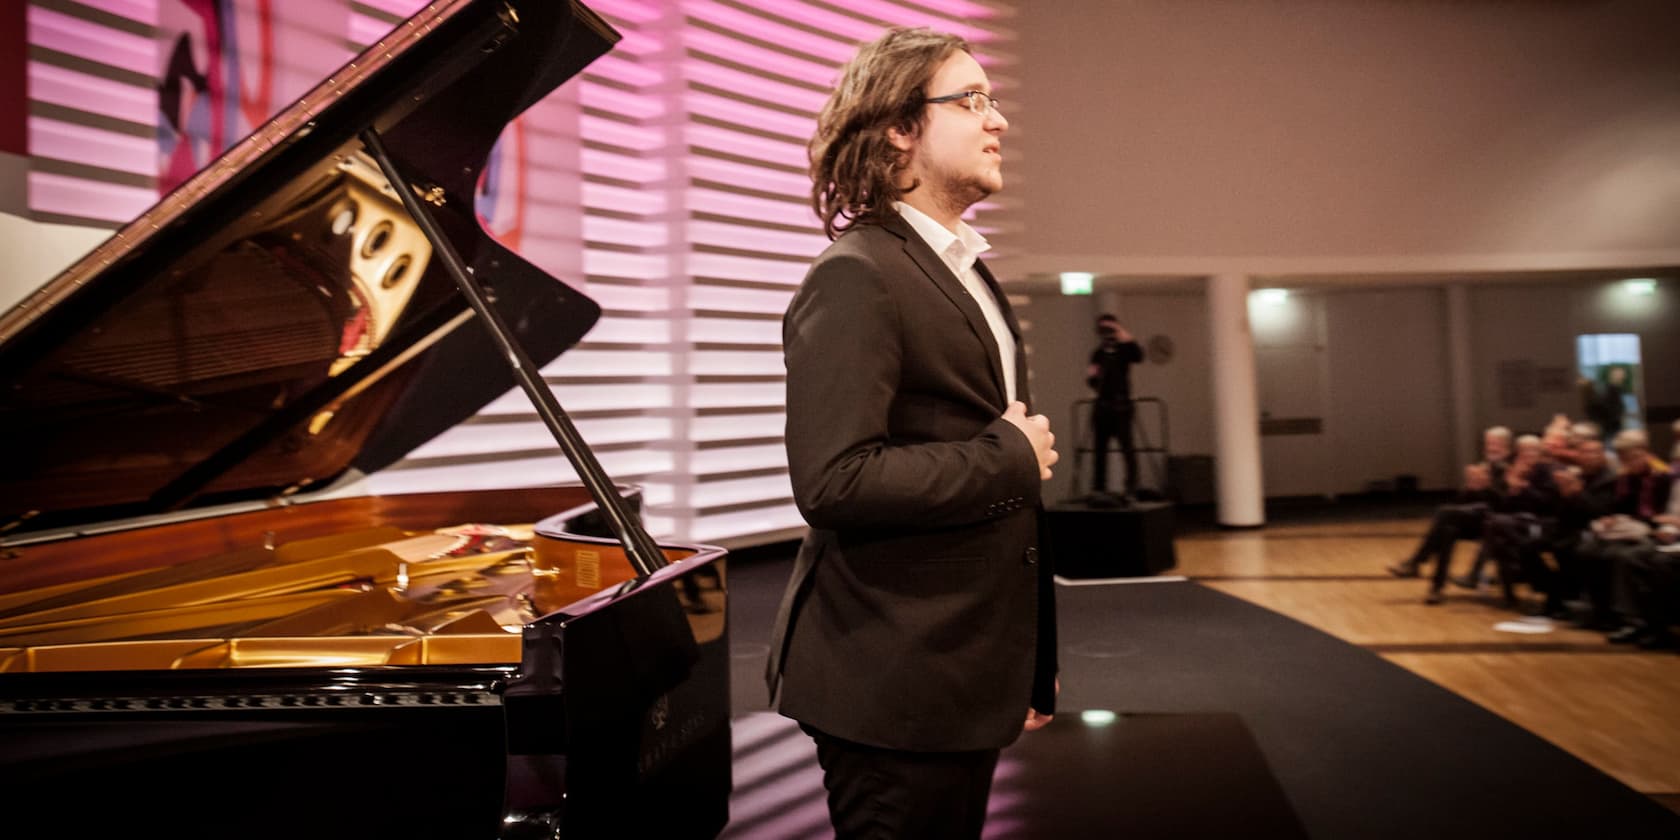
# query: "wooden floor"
(1614, 707)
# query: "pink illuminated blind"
(667, 182)
(128, 98)
(93, 108)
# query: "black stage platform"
(1223, 709)
(1092, 539)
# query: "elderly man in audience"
(1484, 481)
(1530, 458)
(1642, 494)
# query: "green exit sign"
(1076, 282)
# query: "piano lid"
(278, 319)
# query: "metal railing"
(1147, 446)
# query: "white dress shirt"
(959, 251)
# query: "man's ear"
(900, 139)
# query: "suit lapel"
(941, 276)
(1021, 391)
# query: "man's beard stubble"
(956, 192)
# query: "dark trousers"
(1654, 583)
(1515, 541)
(1451, 524)
(1571, 577)
(881, 794)
(1113, 421)
(1603, 568)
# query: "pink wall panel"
(667, 181)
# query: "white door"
(1292, 370)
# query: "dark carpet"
(1340, 743)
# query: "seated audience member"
(1642, 493)
(1653, 574)
(1530, 451)
(1523, 517)
(1556, 441)
(1483, 481)
(1585, 492)
(1588, 430)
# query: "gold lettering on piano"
(589, 569)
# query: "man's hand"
(1037, 721)
(1568, 482)
(1037, 430)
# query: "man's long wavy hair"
(854, 165)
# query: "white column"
(1466, 439)
(1236, 403)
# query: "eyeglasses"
(981, 103)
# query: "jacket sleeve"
(844, 348)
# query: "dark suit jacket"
(919, 615)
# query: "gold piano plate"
(292, 587)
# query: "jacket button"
(1032, 556)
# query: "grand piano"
(203, 635)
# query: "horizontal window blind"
(668, 182)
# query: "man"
(917, 634)
(1604, 401)
(1640, 495)
(1585, 491)
(1522, 514)
(1653, 574)
(1484, 481)
(1586, 430)
(1112, 413)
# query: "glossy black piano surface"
(191, 644)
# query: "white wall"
(36, 251)
(1372, 364)
(1291, 359)
(1182, 382)
(1157, 135)
(1538, 323)
(1061, 336)
(1391, 407)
